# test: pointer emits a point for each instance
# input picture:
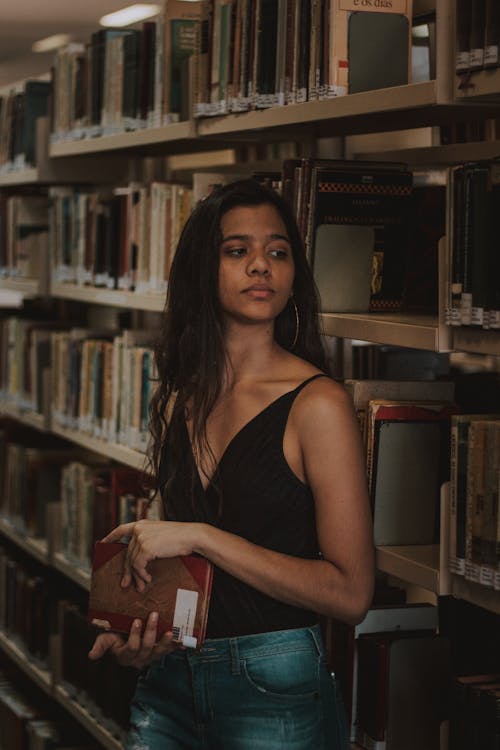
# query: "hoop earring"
(297, 323)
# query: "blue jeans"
(271, 691)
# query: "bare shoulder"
(322, 402)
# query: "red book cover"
(179, 591)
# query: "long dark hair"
(190, 352)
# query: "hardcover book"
(179, 591)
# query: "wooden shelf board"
(413, 105)
(176, 132)
(19, 177)
(476, 341)
(131, 300)
(27, 417)
(29, 287)
(37, 548)
(483, 83)
(41, 677)
(86, 719)
(417, 564)
(415, 331)
(435, 156)
(78, 575)
(114, 451)
(475, 593)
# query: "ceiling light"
(51, 43)
(129, 15)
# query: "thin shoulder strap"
(309, 380)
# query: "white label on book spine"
(476, 57)
(462, 61)
(186, 603)
(491, 54)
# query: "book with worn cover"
(179, 591)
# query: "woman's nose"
(258, 264)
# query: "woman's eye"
(235, 251)
(278, 252)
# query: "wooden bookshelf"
(395, 108)
(89, 722)
(70, 570)
(438, 156)
(415, 331)
(13, 177)
(153, 301)
(117, 452)
(26, 416)
(26, 287)
(181, 135)
(476, 341)
(416, 564)
(482, 84)
(37, 548)
(42, 677)
(475, 593)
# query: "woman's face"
(256, 267)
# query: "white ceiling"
(24, 21)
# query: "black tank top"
(261, 500)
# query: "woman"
(260, 468)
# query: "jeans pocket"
(290, 676)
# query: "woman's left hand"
(150, 540)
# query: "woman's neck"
(251, 351)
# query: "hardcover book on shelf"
(343, 639)
(407, 461)
(492, 34)
(369, 196)
(394, 712)
(341, 57)
(369, 34)
(180, 592)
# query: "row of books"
(117, 239)
(474, 509)
(265, 53)
(94, 500)
(454, 676)
(25, 357)
(92, 495)
(125, 79)
(102, 384)
(28, 723)
(32, 609)
(375, 223)
(219, 56)
(24, 596)
(405, 427)
(372, 661)
(19, 109)
(477, 35)
(24, 236)
(475, 711)
(30, 479)
(474, 267)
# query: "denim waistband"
(260, 644)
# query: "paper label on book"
(491, 54)
(476, 57)
(462, 61)
(186, 603)
(487, 576)
(374, 6)
(477, 316)
(494, 319)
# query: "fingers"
(103, 643)
(125, 529)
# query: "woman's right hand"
(136, 651)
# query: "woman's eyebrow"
(273, 236)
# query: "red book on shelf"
(179, 591)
